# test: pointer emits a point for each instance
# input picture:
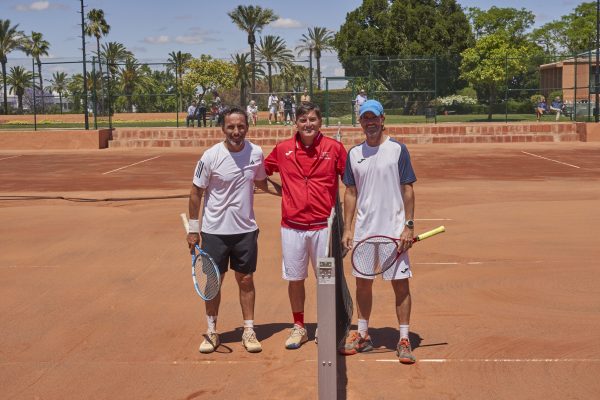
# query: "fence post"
(435, 86)
(177, 106)
(506, 91)
(94, 94)
(326, 101)
(33, 86)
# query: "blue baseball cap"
(371, 106)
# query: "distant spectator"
(191, 114)
(360, 99)
(541, 108)
(305, 98)
(280, 110)
(287, 109)
(252, 110)
(201, 113)
(557, 106)
(273, 104)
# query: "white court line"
(498, 360)
(27, 266)
(6, 158)
(130, 165)
(549, 159)
(434, 219)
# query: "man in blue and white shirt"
(379, 185)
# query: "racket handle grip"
(185, 222)
(430, 233)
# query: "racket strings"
(207, 276)
(374, 255)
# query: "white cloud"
(35, 6)
(286, 23)
(190, 39)
(162, 39)
(339, 72)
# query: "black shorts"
(240, 250)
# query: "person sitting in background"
(191, 114)
(541, 108)
(252, 110)
(557, 106)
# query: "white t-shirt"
(228, 179)
(360, 99)
(377, 173)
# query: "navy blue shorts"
(239, 252)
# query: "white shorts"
(400, 269)
(273, 110)
(297, 247)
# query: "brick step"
(350, 140)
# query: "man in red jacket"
(309, 165)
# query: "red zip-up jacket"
(308, 191)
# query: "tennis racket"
(205, 272)
(376, 254)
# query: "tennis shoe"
(297, 338)
(404, 352)
(210, 343)
(355, 343)
(250, 341)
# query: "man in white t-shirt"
(360, 99)
(380, 162)
(226, 175)
(273, 105)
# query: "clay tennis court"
(98, 302)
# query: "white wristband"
(194, 226)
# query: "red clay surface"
(97, 301)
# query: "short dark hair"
(232, 110)
(307, 107)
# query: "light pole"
(596, 77)
(85, 104)
(311, 45)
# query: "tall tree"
(273, 51)
(97, 27)
(252, 19)
(35, 46)
(10, 39)
(487, 63)
(514, 23)
(243, 72)
(58, 84)
(206, 73)
(404, 30)
(19, 79)
(114, 53)
(319, 39)
(177, 62)
(133, 79)
(572, 33)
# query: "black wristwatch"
(410, 224)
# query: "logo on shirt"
(325, 156)
(251, 162)
(287, 153)
(361, 160)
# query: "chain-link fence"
(56, 94)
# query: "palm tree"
(96, 26)
(58, 84)
(113, 53)
(10, 39)
(273, 50)
(35, 46)
(242, 74)
(176, 62)
(19, 79)
(251, 19)
(319, 40)
(133, 79)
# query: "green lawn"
(345, 120)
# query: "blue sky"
(152, 29)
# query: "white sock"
(211, 321)
(248, 324)
(363, 327)
(403, 331)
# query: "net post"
(326, 322)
